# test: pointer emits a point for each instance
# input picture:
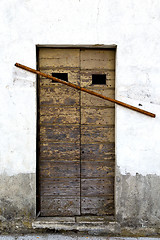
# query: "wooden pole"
(86, 90)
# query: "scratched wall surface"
(131, 25)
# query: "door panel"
(59, 134)
(76, 134)
(97, 147)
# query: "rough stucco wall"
(134, 27)
(138, 200)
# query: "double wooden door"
(76, 133)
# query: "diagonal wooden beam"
(86, 90)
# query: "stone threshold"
(93, 224)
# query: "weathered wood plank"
(97, 205)
(96, 169)
(59, 96)
(97, 116)
(98, 59)
(92, 134)
(51, 151)
(60, 206)
(96, 187)
(59, 115)
(60, 187)
(90, 100)
(59, 57)
(56, 169)
(98, 151)
(60, 133)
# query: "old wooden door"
(76, 133)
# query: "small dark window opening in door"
(99, 79)
(62, 76)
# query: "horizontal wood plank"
(60, 187)
(60, 206)
(54, 151)
(59, 96)
(60, 115)
(56, 169)
(60, 133)
(92, 101)
(98, 151)
(98, 59)
(97, 205)
(59, 57)
(94, 187)
(97, 169)
(93, 134)
(97, 116)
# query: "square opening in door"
(99, 79)
(62, 76)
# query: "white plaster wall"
(134, 26)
